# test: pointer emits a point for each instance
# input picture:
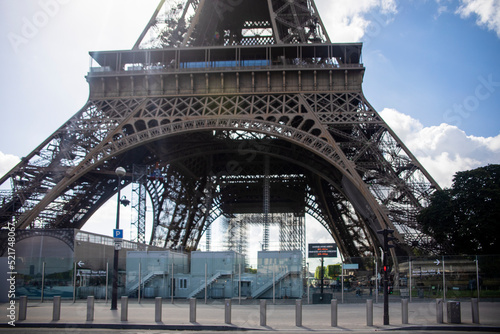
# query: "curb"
(129, 326)
(448, 328)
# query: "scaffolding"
(236, 235)
(292, 232)
(138, 222)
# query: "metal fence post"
(56, 309)
(475, 310)
(227, 313)
(74, 283)
(263, 310)
(369, 312)
(298, 313)
(439, 311)
(404, 311)
(43, 282)
(139, 287)
(124, 308)
(158, 309)
(90, 308)
(192, 310)
(23, 307)
(334, 312)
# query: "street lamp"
(120, 172)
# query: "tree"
(317, 273)
(333, 270)
(466, 217)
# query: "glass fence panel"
(487, 279)
(94, 278)
(278, 275)
(44, 277)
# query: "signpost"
(322, 251)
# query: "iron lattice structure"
(234, 98)
(138, 224)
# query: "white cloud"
(444, 149)
(7, 162)
(351, 21)
(443, 7)
(487, 12)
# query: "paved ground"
(211, 317)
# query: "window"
(183, 283)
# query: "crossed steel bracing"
(224, 121)
(232, 22)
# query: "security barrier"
(453, 311)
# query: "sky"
(432, 72)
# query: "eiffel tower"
(247, 108)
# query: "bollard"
(23, 307)
(404, 311)
(334, 313)
(90, 308)
(56, 309)
(298, 313)
(192, 310)
(369, 312)
(439, 311)
(475, 310)
(158, 309)
(263, 315)
(227, 314)
(124, 308)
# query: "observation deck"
(226, 70)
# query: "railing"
(209, 281)
(282, 275)
(217, 66)
(131, 286)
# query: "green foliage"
(317, 273)
(333, 270)
(251, 270)
(466, 217)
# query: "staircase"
(280, 276)
(134, 285)
(209, 281)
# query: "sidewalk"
(280, 317)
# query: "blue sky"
(423, 63)
(432, 69)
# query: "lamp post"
(120, 172)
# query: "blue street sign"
(118, 234)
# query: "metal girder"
(229, 22)
(138, 223)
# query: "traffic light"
(386, 269)
(390, 239)
(387, 238)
